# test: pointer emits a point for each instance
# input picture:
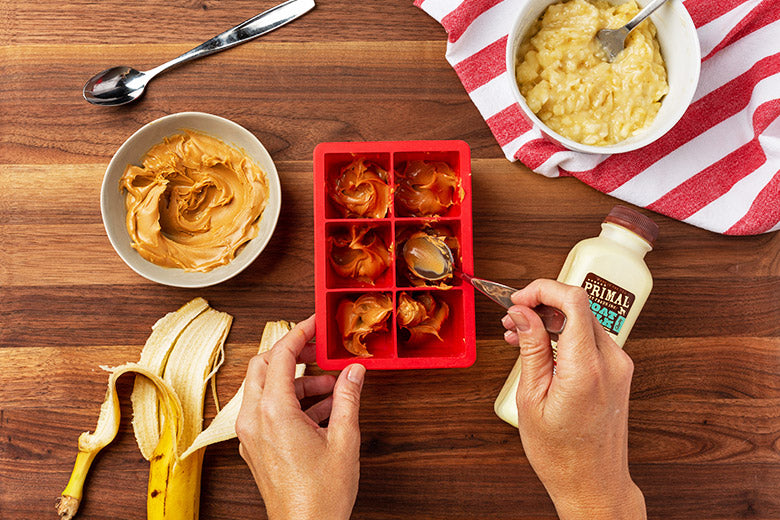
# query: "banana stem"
(68, 503)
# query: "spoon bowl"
(429, 258)
(116, 86)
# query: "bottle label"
(608, 302)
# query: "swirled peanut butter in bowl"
(190, 200)
(194, 202)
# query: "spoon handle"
(256, 26)
(644, 13)
(554, 320)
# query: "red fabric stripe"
(712, 182)
(418, 3)
(715, 180)
(705, 11)
(702, 115)
(564, 173)
(762, 15)
(456, 22)
(764, 213)
(509, 124)
(535, 153)
(482, 66)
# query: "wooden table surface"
(705, 403)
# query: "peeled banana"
(181, 356)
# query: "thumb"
(343, 427)
(535, 353)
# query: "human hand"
(574, 426)
(303, 471)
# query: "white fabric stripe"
(484, 30)
(728, 209)
(511, 148)
(730, 62)
(689, 159)
(725, 211)
(438, 9)
(571, 162)
(493, 97)
(713, 32)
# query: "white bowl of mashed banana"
(190, 200)
(566, 87)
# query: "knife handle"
(247, 30)
(554, 319)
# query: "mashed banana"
(194, 202)
(569, 85)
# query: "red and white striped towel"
(718, 168)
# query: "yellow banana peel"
(180, 358)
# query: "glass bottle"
(612, 270)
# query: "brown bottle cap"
(634, 221)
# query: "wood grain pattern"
(704, 437)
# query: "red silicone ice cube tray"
(390, 349)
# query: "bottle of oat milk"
(612, 269)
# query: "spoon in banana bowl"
(613, 41)
(428, 257)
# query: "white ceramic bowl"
(681, 53)
(112, 200)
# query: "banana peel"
(180, 358)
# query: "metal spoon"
(121, 85)
(614, 40)
(431, 259)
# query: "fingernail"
(507, 322)
(509, 336)
(519, 319)
(356, 373)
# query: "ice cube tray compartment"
(334, 162)
(381, 344)
(453, 341)
(400, 160)
(404, 228)
(383, 228)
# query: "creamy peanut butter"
(194, 202)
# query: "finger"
(603, 339)
(255, 375)
(282, 360)
(320, 411)
(536, 355)
(577, 341)
(507, 322)
(308, 386)
(309, 353)
(510, 337)
(343, 429)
